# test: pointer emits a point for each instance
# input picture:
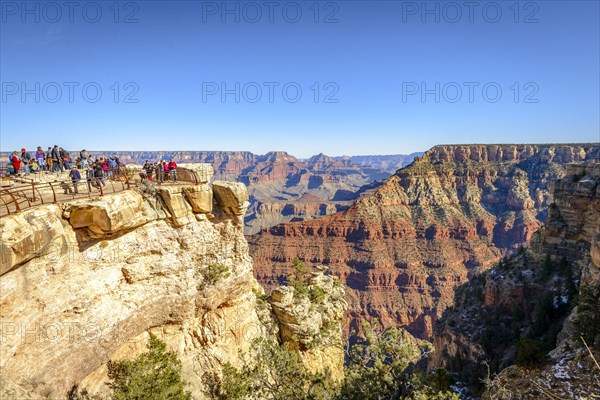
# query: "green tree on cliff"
(274, 372)
(378, 368)
(587, 321)
(155, 375)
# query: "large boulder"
(107, 215)
(203, 171)
(28, 234)
(232, 197)
(200, 197)
(180, 209)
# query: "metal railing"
(28, 195)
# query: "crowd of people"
(162, 170)
(56, 160)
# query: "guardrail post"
(53, 192)
(33, 191)
(17, 208)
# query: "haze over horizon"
(375, 77)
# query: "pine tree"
(541, 315)
(546, 269)
(155, 375)
(587, 321)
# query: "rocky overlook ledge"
(86, 281)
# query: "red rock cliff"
(404, 249)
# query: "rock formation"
(313, 326)
(404, 248)
(390, 163)
(87, 281)
(495, 310)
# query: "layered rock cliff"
(283, 188)
(87, 281)
(531, 296)
(403, 249)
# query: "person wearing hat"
(75, 177)
(25, 159)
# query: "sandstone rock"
(232, 197)
(98, 300)
(107, 215)
(518, 193)
(204, 171)
(29, 234)
(10, 390)
(312, 326)
(200, 197)
(180, 209)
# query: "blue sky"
(371, 62)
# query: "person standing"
(75, 178)
(40, 157)
(160, 172)
(49, 159)
(105, 167)
(83, 155)
(65, 158)
(166, 170)
(89, 176)
(25, 159)
(112, 167)
(99, 174)
(16, 162)
(56, 159)
(173, 170)
(149, 170)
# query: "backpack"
(10, 168)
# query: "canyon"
(438, 248)
(403, 248)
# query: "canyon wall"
(88, 281)
(404, 248)
(387, 162)
(507, 303)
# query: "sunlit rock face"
(313, 326)
(87, 281)
(403, 249)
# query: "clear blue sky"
(375, 57)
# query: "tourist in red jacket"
(173, 170)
